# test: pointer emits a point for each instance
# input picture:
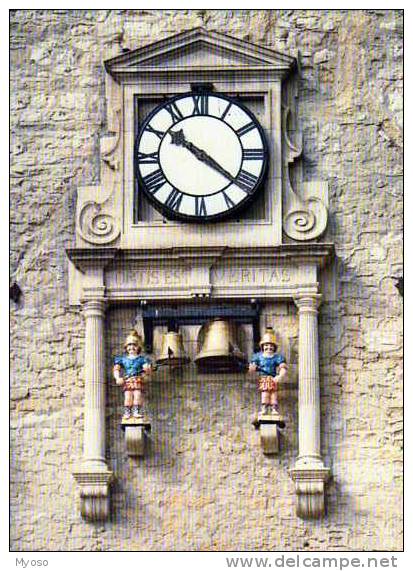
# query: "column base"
(94, 493)
(310, 482)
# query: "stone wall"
(206, 484)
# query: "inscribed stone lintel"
(276, 273)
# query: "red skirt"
(134, 384)
(267, 384)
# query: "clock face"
(200, 157)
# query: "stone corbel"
(309, 487)
(269, 427)
(94, 493)
(136, 431)
(305, 209)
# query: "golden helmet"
(134, 338)
(268, 337)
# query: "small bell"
(219, 351)
(172, 350)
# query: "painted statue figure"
(131, 371)
(271, 367)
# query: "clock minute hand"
(178, 138)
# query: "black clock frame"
(228, 214)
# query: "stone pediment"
(199, 49)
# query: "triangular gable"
(199, 48)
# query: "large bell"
(219, 351)
(172, 350)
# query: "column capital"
(307, 301)
(94, 306)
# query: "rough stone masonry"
(350, 111)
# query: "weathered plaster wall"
(206, 484)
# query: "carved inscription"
(156, 277)
(250, 276)
(184, 277)
(161, 277)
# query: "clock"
(200, 157)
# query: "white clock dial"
(200, 157)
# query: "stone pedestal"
(93, 476)
(136, 430)
(269, 438)
(309, 473)
(268, 425)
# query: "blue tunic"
(133, 366)
(268, 365)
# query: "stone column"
(309, 472)
(94, 476)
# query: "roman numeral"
(200, 207)
(148, 158)
(154, 181)
(229, 202)
(174, 200)
(174, 112)
(245, 129)
(226, 110)
(151, 129)
(246, 181)
(252, 154)
(200, 104)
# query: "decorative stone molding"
(201, 54)
(306, 219)
(97, 222)
(98, 212)
(94, 493)
(111, 146)
(187, 273)
(305, 210)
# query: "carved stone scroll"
(98, 217)
(305, 206)
(95, 224)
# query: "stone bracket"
(136, 431)
(269, 433)
(94, 493)
(309, 487)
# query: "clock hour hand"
(178, 138)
